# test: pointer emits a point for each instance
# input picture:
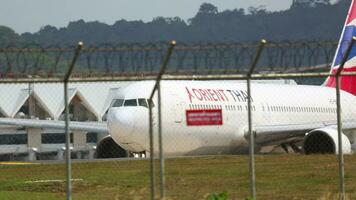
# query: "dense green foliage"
(8, 37)
(303, 22)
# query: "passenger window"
(117, 103)
(142, 102)
(130, 102)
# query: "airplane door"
(266, 113)
(177, 109)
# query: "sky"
(30, 16)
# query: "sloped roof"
(95, 96)
(11, 95)
(21, 99)
(52, 96)
(98, 96)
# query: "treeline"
(319, 22)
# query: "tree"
(48, 29)
(8, 37)
(257, 10)
(208, 25)
(207, 8)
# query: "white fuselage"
(271, 105)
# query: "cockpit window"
(130, 102)
(117, 103)
(142, 102)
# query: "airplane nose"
(121, 124)
(127, 126)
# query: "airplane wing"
(274, 135)
(99, 127)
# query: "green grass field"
(278, 177)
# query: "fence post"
(67, 132)
(157, 86)
(339, 121)
(250, 131)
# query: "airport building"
(88, 102)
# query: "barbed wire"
(141, 59)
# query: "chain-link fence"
(175, 122)
(138, 60)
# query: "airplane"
(203, 117)
(210, 117)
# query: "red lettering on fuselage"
(189, 95)
(205, 95)
(217, 95)
(196, 91)
(212, 94)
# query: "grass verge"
(277, 176)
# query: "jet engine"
(108, 148)
(325, 141)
